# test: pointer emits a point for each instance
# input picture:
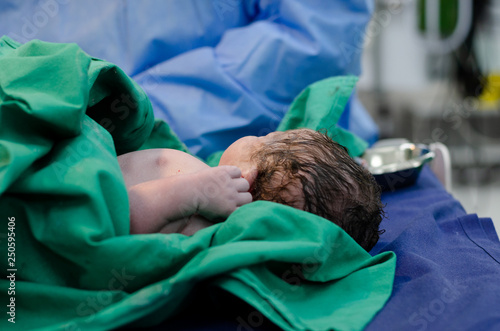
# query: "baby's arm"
(211, 193)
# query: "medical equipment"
(395, 163)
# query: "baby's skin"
(173, 192)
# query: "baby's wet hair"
(331, 183)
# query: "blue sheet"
(448, 262)
(214, 70)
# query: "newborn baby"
(173, 192)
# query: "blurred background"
(431, 72)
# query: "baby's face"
(239, 153)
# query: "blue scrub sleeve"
(243, 86)
(356, 119)
(215, 70)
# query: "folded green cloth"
(319, 107)
(64, 117)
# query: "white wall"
(402, 53)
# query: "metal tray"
(396, 163)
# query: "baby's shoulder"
(150, 164)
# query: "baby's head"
(307, 170)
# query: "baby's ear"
(250, 175)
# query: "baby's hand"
(220, 191)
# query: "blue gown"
(214, 70)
